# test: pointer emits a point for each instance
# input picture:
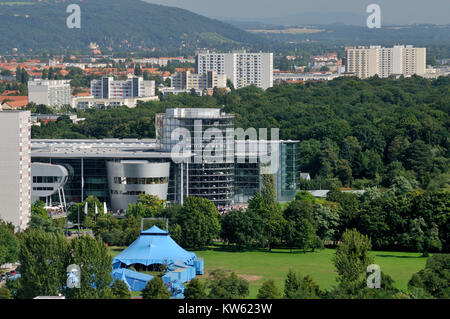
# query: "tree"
(352, 258)
(147, 206)
(199, 221)
(268, 290)
(89, 219)
(435, 278)
(120, 290)
(300, 228)
(299, 287)
(195, 289)
(43, 261)
(5, 293)
(423, 238)
(227, 287)
(269, 192)
(241, 228)
(9, 246)
(327, 222)
(155, 289)
(95, 262)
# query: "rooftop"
(106, 148)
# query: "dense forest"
(364, 132)
(32, 24)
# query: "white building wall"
(49, 92)
(241, 67)
(15, 167)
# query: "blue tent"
(135, 281)
(154, 246)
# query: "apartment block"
(365, 62)
(241, 67)
(15, 167)
(187, 80)
(132, 87)
(49, 92)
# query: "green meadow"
(256, 266)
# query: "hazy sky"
(394, 11)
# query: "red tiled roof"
(14, 101)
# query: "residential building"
(15, 167)
(186, 80)
(366, 62)
(132, 87)
(241, 67)
(49, 92)
(109, 93)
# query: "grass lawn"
(260, 265)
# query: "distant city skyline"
(393, 12)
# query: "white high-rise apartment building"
(133, 86)
(49, 92)
(241, 67)
(15, 167)
(186, 80)
(399, 60)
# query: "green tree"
(300, 226)
(268, 290)
(5, 293)
(195, 289)
(299, 287)
(155, 289)
(227, 287)
(243, 228)
(43, 261)
(352, 258)
(9, 246)
(120, 290)
(269, 219)
(147, 206)
(327, 222)
(435, 278)
(199, 221)
(423, 238)
(95, 262)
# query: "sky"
(394, 11)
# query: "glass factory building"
(117, 171)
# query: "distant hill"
(119, 24)
(323, 18)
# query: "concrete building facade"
(187, 80)
(15, 167)
(49, 92)
(241, 67)
(365, 62)
(132, 87)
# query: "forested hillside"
(120, 24)
(364, 132)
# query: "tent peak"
(155, 230)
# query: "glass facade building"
(116, 171)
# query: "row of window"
(43, 188)
(140, 180)
(129, 193)
(47, 179)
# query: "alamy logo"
(374, 19)
(210, 146)
(374, 279)
(74, 19)
(73, 276)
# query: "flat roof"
(106, 148)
